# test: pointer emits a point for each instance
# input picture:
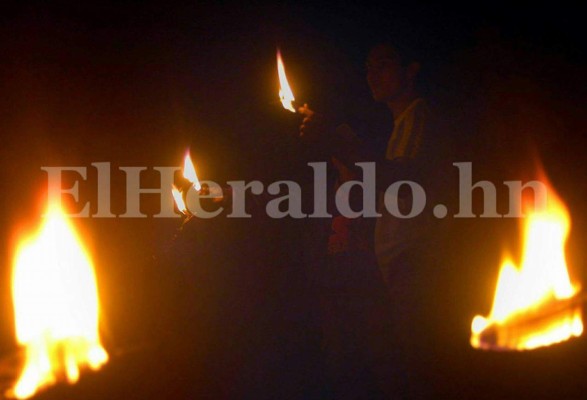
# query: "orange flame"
(541, 280)
(56, 306)
(285, 94)
(189, 172)
(179, 200)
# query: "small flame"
(56, 306)
(189, 172)
(179, 200)
(285, 94)
(541, 281)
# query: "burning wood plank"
(561, 319)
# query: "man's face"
(385, 74)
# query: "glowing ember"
(179, 200)
(56, 306)
(285, 94)
(535, 304)
(189, 172)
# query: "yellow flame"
(540, 280)
(189, 172)
(56, 306)
(178, 200)
(285, 94)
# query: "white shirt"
(392, 234)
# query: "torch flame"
(56, 306)
(285, 94)
(189, 172)
(540, 283)
(178, 200)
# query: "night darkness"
(228, 310)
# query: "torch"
(287, 99)
(285, 93)
(190, 182)
(286, 96)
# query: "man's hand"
(328, 139)
(316, 128)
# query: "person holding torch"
(402, 245)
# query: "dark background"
(136, 84)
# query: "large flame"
(189, 172)
(540, 285)
(56, 306)
(285, 94)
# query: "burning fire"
(285, 94)
(535, 303)
(189, 171)
(56, 306)
(179, 200)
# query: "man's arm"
(349, 149)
